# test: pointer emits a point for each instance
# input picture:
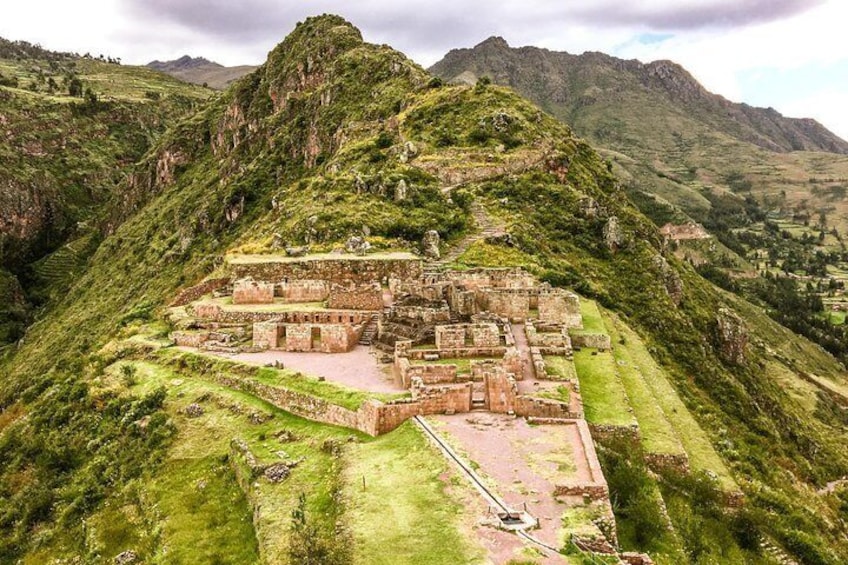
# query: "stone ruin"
(450, 334)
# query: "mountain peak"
(185, 62)
(494, 42)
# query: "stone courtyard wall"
(266, 335)
(450, 337)
(544, 408)
(249, 291)
(442, 399)
(428, 374)
(511, 304)
(305, 290)
(342, 270)
(560, 307)
(357, 297)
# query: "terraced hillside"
(333, 138)
(71, 126)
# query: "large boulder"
(732, 335)
(613, 234)
(430, 245)
(671, 279)
(357, 244)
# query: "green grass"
(201, 495)
(407, 512)
(604, 398)
(658, 435)
(560, 368)
(198, 454)
(593, 323)
(702, 454)
(561, 393)
(482, 254)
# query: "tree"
(75, 87)
(309, 544)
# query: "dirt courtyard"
(522, 463)
(357, 368)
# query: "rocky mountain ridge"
(199, 70)
(560, 78)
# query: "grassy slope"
(63, 161)
(604, 398)
(404, 503)
(665, 422)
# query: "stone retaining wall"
(189, 339)
(249, 291)
(358, 297)
(595, 341)
(198, 291)
(544, 408)
(677, 461)
(305, 290)
(342, 270)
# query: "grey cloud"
(429, 28)
(684, 16)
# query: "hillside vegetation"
(334, 137)
(72, 126)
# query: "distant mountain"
(670, 140)
(575, 85)
(199, 70)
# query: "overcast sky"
(788, 54)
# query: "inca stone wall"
(198, 291)
(266, 335)
(356, 297)
(450, 337)
(442, 399)
(511, 304)
(594, 341)
(343, 270)
(560, 307)
(189, 339)
(306, 290)
(249, 291)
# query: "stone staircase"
(370, 331)
(487, 227)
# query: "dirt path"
(357, 368)
(523, 348)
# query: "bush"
(128, 375)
